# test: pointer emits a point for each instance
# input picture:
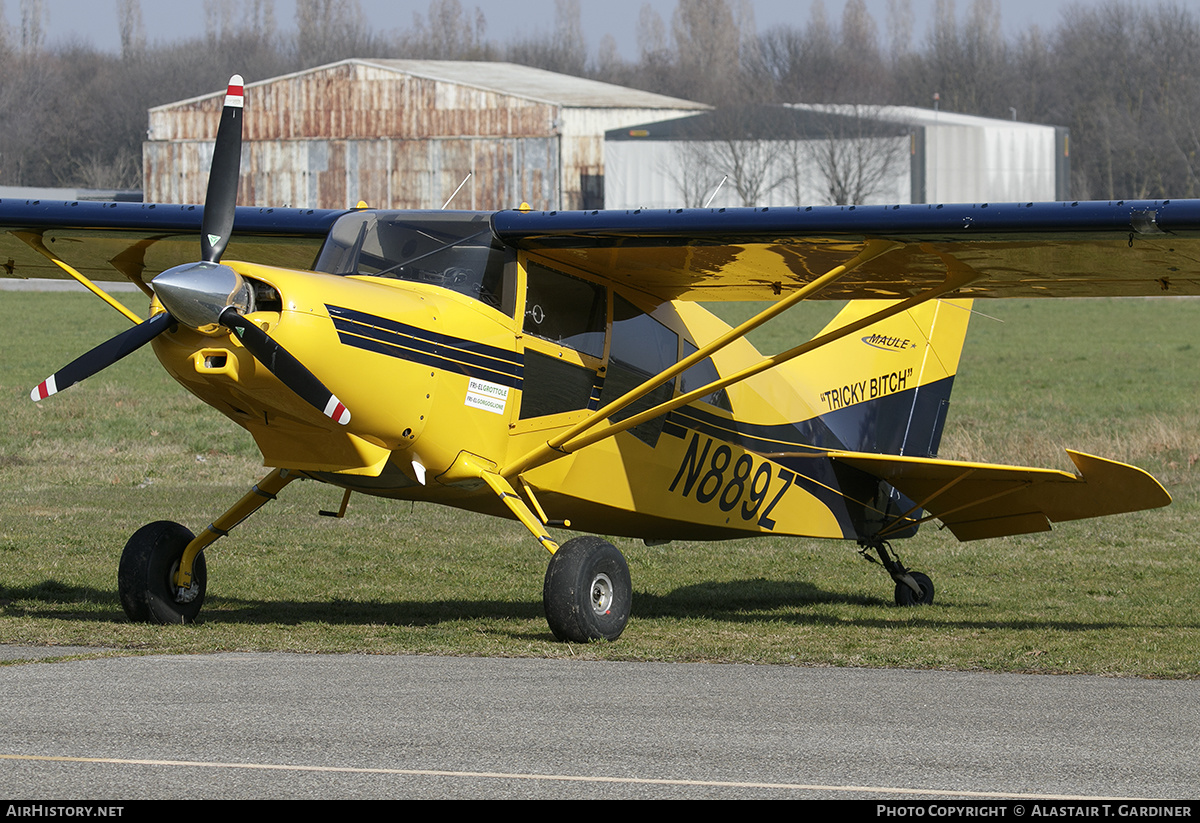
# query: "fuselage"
(454, 352)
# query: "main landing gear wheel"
(145, 579)
(587, 594)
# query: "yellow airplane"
(556, 368)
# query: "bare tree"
(850, 155)
(692, 168)
(752, 166)
(121, 172)
(707, 46)
(451, 33)
(821, 64)
(860, 72)
(1134, 125)
(564, 51)
(330, 30)
(654, 66)
(744, 144)
(968, 65)
(900, 28)
(1175, 36)
(33, 26)
(133, 30)
(651, 35)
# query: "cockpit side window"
(450, 250)
(564, 310)
(564, 327)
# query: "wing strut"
(553, 448)
(34, 241)
(579, 436)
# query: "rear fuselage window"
(641, 348)
(702, 374)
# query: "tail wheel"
(146, 577)
(905, 596)
(587, 594)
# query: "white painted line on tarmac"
(565, 778)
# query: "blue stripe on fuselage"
(394, 339)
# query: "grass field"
(82, 471)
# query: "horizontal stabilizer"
(977, 500)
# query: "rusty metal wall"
(329, 137)
(359, 100)
(417, 174)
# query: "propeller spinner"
(206, 292)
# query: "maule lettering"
(882, 341)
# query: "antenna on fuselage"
(712, 196)
(456, 191)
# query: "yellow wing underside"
(108, 255)
(1024, 266)
(1028, 266)
(978, 500)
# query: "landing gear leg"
(162, 576)
(912, 588)
(587, 592)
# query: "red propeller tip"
(336, 411)
(44, 389)
(236, 92)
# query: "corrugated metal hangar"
(962, 158)
(829, 154)
(406, 134)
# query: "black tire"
(144, 579)
(587, 594)
(907, 597)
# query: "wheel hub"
(183, 595)
(602, 594)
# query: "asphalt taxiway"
(237, 725)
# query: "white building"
(818, 154)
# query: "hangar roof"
(503, 78)
(537, 84)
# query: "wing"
(977, 500)
(135, 241)
(1117, 248)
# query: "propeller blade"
(290, 371)
(221, 198)
(102, 356)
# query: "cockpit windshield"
(449, 249)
